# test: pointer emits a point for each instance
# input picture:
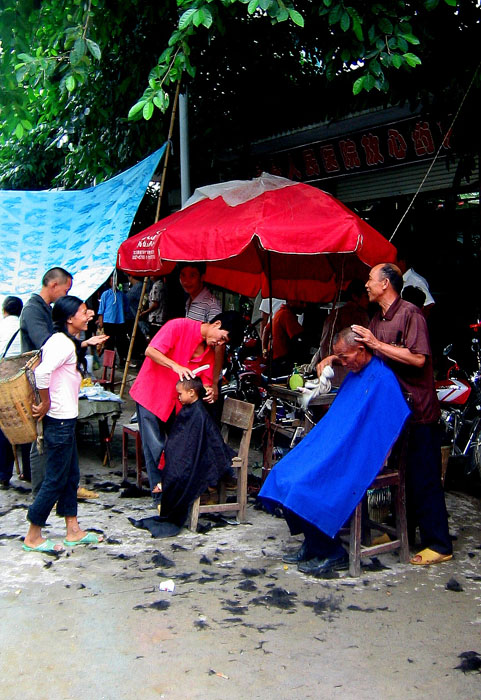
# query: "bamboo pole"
(144, 286)
(157, 214)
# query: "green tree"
(75, 110)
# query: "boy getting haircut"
(195, 384)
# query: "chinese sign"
(407, 141)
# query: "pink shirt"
(154, 388)
(59, 374)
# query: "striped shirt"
(203, 308)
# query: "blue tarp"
(79, 230)
(326, 475)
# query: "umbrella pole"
(269, 354)
(335, 308)
(157, 215)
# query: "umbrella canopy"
(303, 240)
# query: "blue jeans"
(61, 473)
(152, 434)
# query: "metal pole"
(269, 279)
(184, 147)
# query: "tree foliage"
(83, 79)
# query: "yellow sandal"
(429, 556)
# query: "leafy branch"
(369, 45)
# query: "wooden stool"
(359, 531)
(132, 429)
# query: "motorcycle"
(241, 376)
(460, 401)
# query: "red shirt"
(154, 388)
(285, 326)
(405, 326)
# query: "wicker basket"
(17, 396)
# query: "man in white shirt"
(9, 346)
(264, 308)
(10, 327)
(413, 279)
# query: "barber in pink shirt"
(180, 347)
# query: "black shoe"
(297, 556)
(318, 566)
(5, 485)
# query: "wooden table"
(281, 392)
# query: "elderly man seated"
(320, 482)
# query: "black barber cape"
(196, 457)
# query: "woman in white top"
(58, 379)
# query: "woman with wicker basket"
(58, 379)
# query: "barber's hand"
(40, 410)
(209, 394)
(326, 362)
(365, 336)
(183, 372)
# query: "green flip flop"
(89, 538)
(47, 547)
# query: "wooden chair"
(236, 414)
(359, 531)
(107, 379)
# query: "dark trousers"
(6, 459)
(318, 544)
(152, 434)
(62, 474)
(25, 451)
(426, 507)
(140, 342)
(37, 468)
(117, 339)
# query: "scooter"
(460, 400)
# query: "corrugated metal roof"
(397, 181)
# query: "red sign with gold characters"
(407, 141)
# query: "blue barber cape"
(326, 475)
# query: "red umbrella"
(249, 232)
